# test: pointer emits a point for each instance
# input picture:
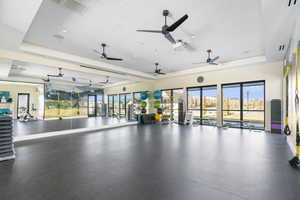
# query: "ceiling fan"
(209, 60)
(60, 74)
(157, 70)
(103, 54)
(106, 81)
(165, 30)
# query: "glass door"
(170, 99)
(92, 105)
(23, 104)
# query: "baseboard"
(32, 137)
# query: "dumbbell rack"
(7, 151)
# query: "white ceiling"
(234, 29)
(22, 69)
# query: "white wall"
(271, 72)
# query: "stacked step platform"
(6, 139)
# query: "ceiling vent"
(281, 47)
(73, 5)
(292, 3)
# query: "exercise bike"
(26, 116)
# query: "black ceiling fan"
(157, 70)
(209, 60)
(60, 74)
(103, 54)
(165, 30)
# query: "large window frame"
(203, 121)
(242, 110)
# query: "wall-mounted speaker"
(200, 79)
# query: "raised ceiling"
(232, 28)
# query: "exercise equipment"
(7, 151)
(144, 95)
(156, 104)
(287, 129)
(276, 124)
(180, 119)
(143, 104)
(157, 94)
(294, 162)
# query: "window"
(122, 104)
(99, 105)
(110, 105)
(202, 102)
(116, 105)
(194, 103)
(243, 105)
(209, 105)
(125, 99)
(170, 99)
(232, 105)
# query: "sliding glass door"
(232, 105)
(170, 99)
(202, 102)
(209, 105)
(243, 105)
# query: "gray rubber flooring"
(153, 162)
(42, 126)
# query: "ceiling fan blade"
(170, 38)
(177, 23)
(161, 73)
(212, 63)
(214, 59)
(117, 59)
(149, 31)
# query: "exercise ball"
(157, 94)
(144, 95)
(156, 104)
(143, 104)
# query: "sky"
(254, 92)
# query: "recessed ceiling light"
(64, 31)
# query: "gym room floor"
(157, 162)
